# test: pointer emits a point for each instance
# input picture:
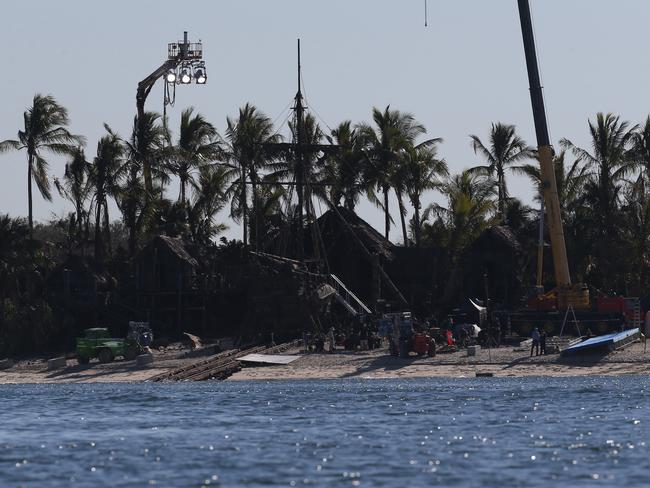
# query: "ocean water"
(406, 433)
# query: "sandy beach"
(505, 361)
(165, 359)
(502, 362)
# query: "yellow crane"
(568, 294)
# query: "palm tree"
(423, 171)
(136, 201)
(104, 177)
(636, 210)
(75, 188)
(505, 149)
(397, 178)
(209, 198)
(394, 132)
(636, 234)
(599, 217)
(133, 205)
(147, 151)
(611, 160)
(344, 167)
(196, 145)
(641, 147)
(246, 155)
(570, 182)
(44, 131)
(272, 218)
(470, 206)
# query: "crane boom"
(545, 152)
(182, 52)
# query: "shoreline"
(377, 364)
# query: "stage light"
(171, 76)
(200, 76)
(186, 77)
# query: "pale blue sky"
(463, 72)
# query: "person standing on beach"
(363, 338)
(542, 343)
(535, 344)
(331, 339)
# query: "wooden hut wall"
(415, 272)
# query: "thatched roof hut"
(354, 248)
(497, 253)
(334, 231)
(165, 264)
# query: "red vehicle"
(423, 344)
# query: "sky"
(457, 76)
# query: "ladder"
(349, 300)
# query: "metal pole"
(299, 160)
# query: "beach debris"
(268, 358)
(220, 366)
(144, 359)
(195, 341)
(56, 363)
(484, 374)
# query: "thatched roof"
(176, 246)
(83, 268)
(502, 235)
(332, 228)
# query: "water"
(422, 432)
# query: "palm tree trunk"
(416, 218)
(79, 221)
(502, 196)
(132, 221)
(29, 196)
(348, 201)
(107, 229)
(402, 212)
(243, 203)
(500, 199)
(386, 213)
(98, 232)
(86, 232)
(253, 178)
(132, 238)
(183, 191)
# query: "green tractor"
(97, 343)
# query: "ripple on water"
(468, 432)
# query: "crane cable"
(426, 14)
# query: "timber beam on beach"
(219, 366)
(191, 370)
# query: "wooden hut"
(354, 249)
(166, 286)
(497, 255)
